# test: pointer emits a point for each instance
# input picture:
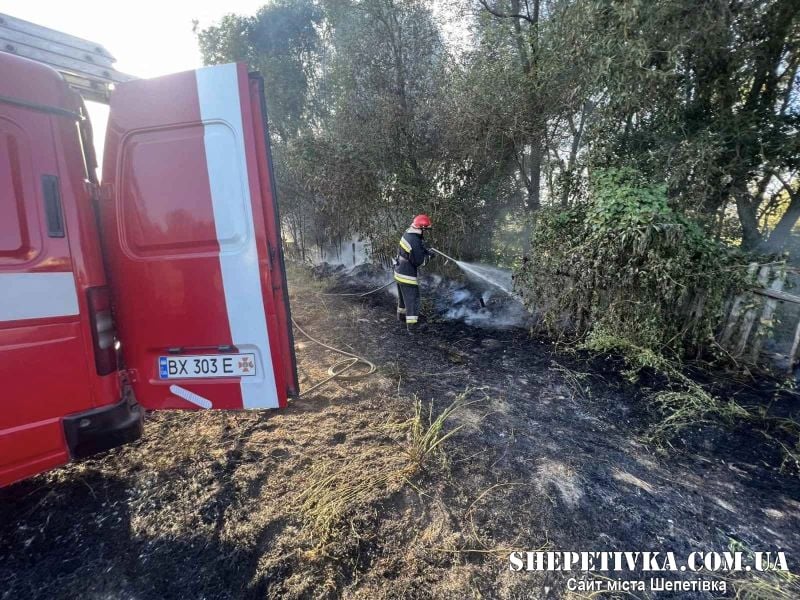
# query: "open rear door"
(192, 241)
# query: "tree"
(283, 43)
(374, 117)
(703, 95)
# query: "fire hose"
(362, 294)
(338, 369)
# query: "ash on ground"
(546, 451)
(471, 302)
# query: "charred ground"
(212, 505)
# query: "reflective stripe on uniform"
(405, 245)
(411, 320)
(407, 279)
(401, 311)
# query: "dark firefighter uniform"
(412, 254)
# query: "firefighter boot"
(413, 329)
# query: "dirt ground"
(322, 500)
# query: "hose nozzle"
(440, 253)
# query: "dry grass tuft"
(576, 381)
(335, 493)
(770, 585)
(425, 436)
(338, 488)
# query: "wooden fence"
(763, 325)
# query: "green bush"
(626, 272)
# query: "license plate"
(203, 366)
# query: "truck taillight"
(103, 331)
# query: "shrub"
(626, 271)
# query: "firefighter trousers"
(408, 302)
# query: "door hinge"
(106, 192)
(93, 190)
(128, 376)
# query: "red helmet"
(421, 222)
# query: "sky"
(147, 37)
(152, 37)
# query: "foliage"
(636, 142)
(706, 103)
(281, 41)
(625, 273)
(627, 265)
(684, 402)
(377, 113)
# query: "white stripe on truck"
(221, 113)
(37, 295)
(190, 396)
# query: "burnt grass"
(551, 456)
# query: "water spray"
(481, 272)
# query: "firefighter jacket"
(412, 254)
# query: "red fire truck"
(161, 287)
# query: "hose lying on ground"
(338, 369)
(360, 294)
(352, 359)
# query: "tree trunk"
(577, 138)
(780, 235)
(751, 238)
(523, 53)
(535, 180)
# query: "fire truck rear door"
(192, 242)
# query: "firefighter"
(412, 254)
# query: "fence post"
(750, 315)
(736, 310)
(770, 304)
(793, 351)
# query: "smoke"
(488, 308)
(479, 301)
(348, 253)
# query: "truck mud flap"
(103, 428)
